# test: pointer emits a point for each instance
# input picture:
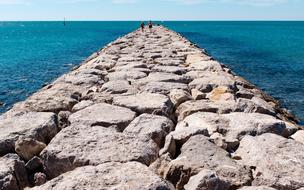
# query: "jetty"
(150, 111)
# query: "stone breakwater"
(150, 111)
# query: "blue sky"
(152, 9)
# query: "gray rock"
(27, 148)
(145, 103)
(81, 105)
(169, 69)
(34, 164)
(198, 154)
(299, 136)
(164, 87)
(211, 81)
(126, 75)
(256, 105)
(209, 65)
(257, 188)
(164, 77)
(117, 87)
(12, 173)
(206, 180)
(113, 175)
(63, 119)
(156, 127)
(79, 145)
(39, 126)
(278, 162)
(104, 115)
(179, 96)
(197, 95)
(191, 107)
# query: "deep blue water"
(269, 54)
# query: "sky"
(12, 10)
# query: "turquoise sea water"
(269, 54)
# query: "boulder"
(255, 105)
(178, 96)
(169, 69)
(12, 172)
(197, 154)
(212, 80)
(163, 87)
(38, 126)
(197, 95)
(126, 75)
(104, 115)
(156, 127)
(81, 105)
(27, 148)
(209, 65)
(164, 77)
(117, 87)
(299, 136)
(257, 188)
(190, 107)
(81, 145)
(145, 103)
(278, 162)
(206, 180)
(113, 175)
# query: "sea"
(270, 54)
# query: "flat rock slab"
(164, 87)
(257, 188)
(169, 69)
(77, 146)
(278, 162)
(156, 127)
(104, 115)
(199, 153)
(12, 172)
(145, 103)
(39, 126)
(130, 175)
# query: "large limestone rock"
(164, 87)
(206, 180)
(164, 77)
(191, 107)
(278, 162)
(104, 115)
(178, 96)
(169, 69)
(39, 126)
(27, 148)
(113, 175)
(80, 145)
(257, 188)
(231, 127)
(118, 87)
(299, 136)
(156, 127)
(212, 80)
(209, 65)
(12, 173)
(145, 103)
(199, 153)
(126, 75)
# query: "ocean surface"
(268, 54)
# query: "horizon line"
(66, 20)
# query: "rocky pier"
(150, 111)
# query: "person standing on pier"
(150, 26)
(142, 26)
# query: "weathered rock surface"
(299, 136)
(39, 126)
(145, 103)
(278, 162)
(27, 148)
(156, 127)
(198, 154)
(113, 175)
(257, 188)
(79, 145)
(12, 172)
(104, 115)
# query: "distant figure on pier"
(150, 25)
(142, 26)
